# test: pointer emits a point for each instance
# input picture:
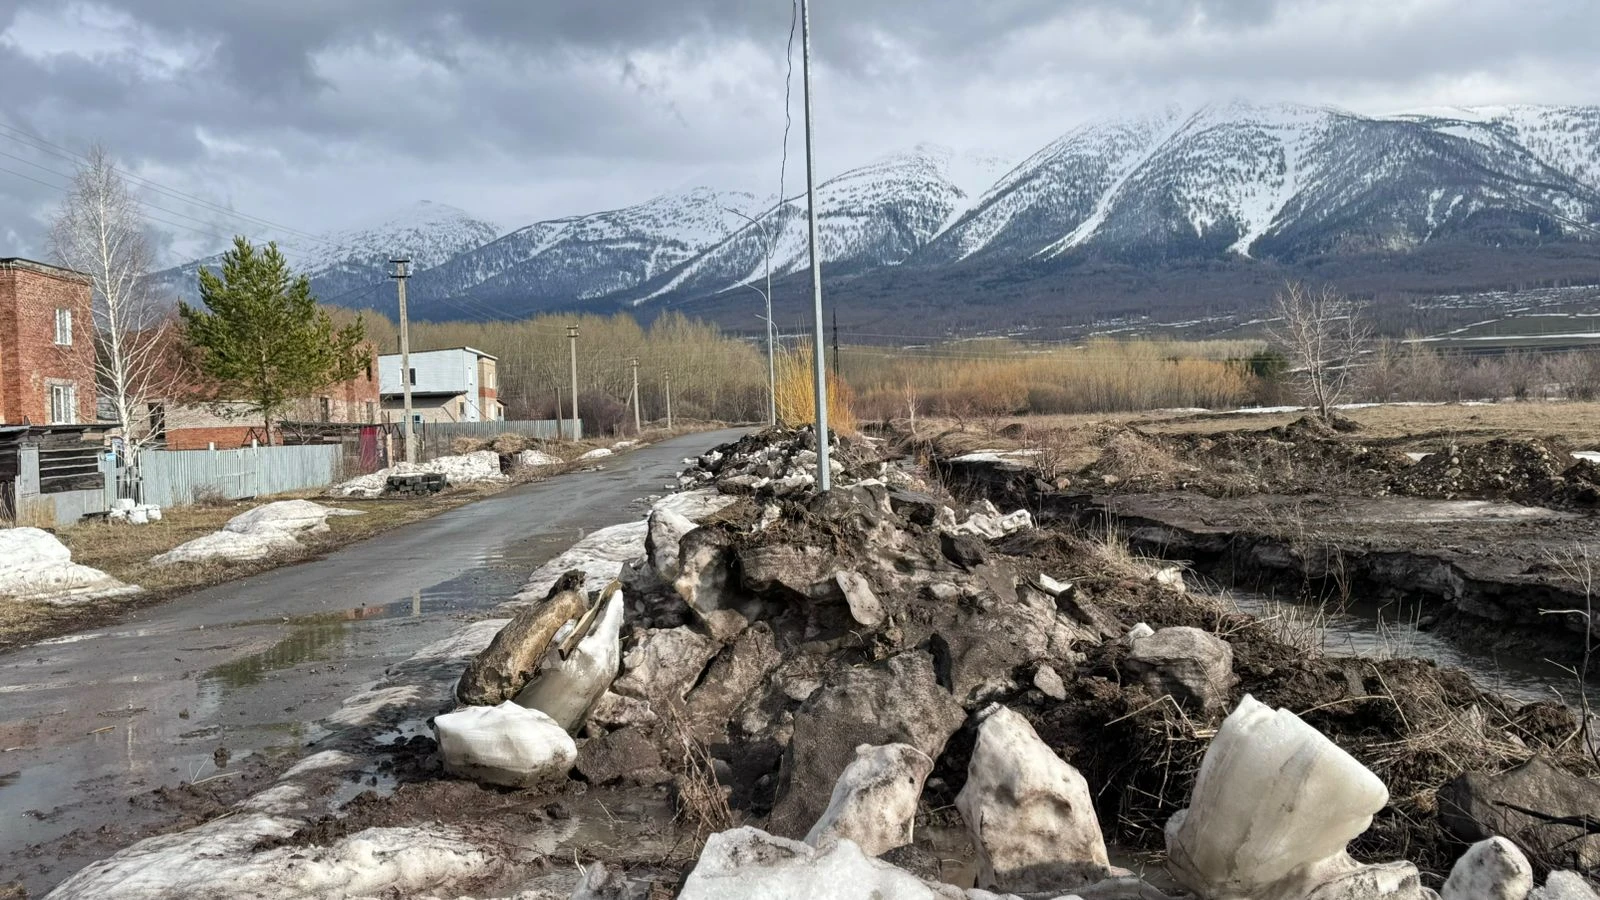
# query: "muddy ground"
(1477, 537)
(777, 692)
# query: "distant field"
(1577, 424)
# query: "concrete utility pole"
(820, 372)
(638, 425)
(402, 271)
(572, 339)
(669, 401)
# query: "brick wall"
(31, 361)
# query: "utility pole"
(836, 342)
(766, 298)
(402, 271)
(669, 401)
(820, 371)
(572, 340)
(638, 426)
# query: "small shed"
(54, 474)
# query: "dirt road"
(91, 720)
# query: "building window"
(412, 377)
(461, 409)
(325, 409)
(488, 378)
(63, 404)
(64, 327)
(372, 412)
(158, 421)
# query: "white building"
(457, 385)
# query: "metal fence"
(435, 439)
(180, 477)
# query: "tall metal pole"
(820, 387)
(638, 426)
(401, 273)
(766, 298)
(572, 339)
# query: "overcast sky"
(316, 114)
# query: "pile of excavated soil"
(1304, 456)
(1527, 472)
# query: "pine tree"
(261, 337)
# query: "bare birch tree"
(1324, 334)
(100, 232)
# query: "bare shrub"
(1324, 334)
(796, 393)
(209, 496)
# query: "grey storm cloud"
(314, 113)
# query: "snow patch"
(601, 556)
(479, 465)
(36, 566)
(256, 533)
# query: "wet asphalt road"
(89, 720)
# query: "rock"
(616, 711)
(1030, 813)
(1171, 578)
(504, 667)
(964, 550)
(506, 745)
(1490, 870)
(724, 625)
(1473, 807)
(1564, 885)
(917, 508)
(895, 702)
(734, 675)
(1274, 805)
(566, 689)
(1191, 665)
(993, 526)
(749, 864)
(1140, 630)
(1049, 682)
(864, 605)
(626, 754)
(665, 665)
(874, 802)
(666, 532)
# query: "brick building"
(455, 385)
(180, 425)
(46, 345)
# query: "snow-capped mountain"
(583, 257)
(350, 266)
(877, 215)
(1226, 184)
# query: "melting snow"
(36, 566)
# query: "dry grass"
(797, 388)
(702, 801)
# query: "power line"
(35, 142)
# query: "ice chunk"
(1490, 870)
(874, 802)
(1030, 813)
(1274, 805)
(568, 688)
(506, 744)
(749, 864)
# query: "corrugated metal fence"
(179, 477)
(434, 439)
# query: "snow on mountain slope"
(350, 266)
(581, 257)
(1053, 192)
(1565, 138)
(1220, 178)
(876, 215)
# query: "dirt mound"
(1528, 472)
(1307, 455)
